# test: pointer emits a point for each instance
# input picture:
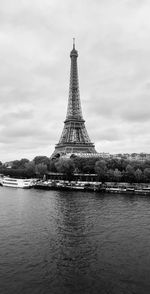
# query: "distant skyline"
(113, 42)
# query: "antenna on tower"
(73, 43)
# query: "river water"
(73, 242)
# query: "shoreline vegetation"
(87, 174)
(83, 169)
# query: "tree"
(23, 162)
(41, 159)
(138, 175)
(110, 175)
(52, 167)
(79, 164)
(19, 164)
(41, 169)
(65, 166)
(101, 170)
(16, 164)
(89, 166)
(147, 173)
(30, 168)
(130, 173)
(117, 175)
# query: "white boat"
(17, 183)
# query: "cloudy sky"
(113, 42)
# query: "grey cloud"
(108, 134)
(137, 115)
(16, 116)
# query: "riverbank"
(126, 188)
(99, 187)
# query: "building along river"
(73, 242)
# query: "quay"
(79, 185)
(116, 188)
(68, 186)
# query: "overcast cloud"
(113, 42)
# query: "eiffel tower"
(74, 138)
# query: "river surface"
(73, 242)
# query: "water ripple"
(61, 242)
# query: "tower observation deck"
(74, 138)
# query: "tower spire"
(74, 138)
(73, 43)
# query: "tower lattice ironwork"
(74, 138)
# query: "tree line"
(116, 170)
